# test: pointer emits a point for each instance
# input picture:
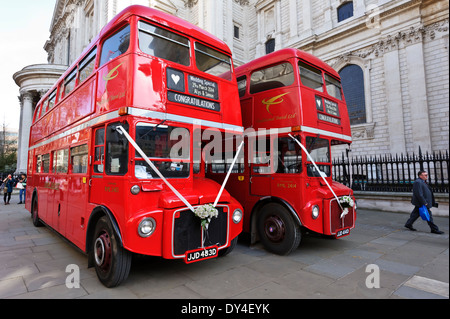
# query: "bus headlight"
(237, 216)
(135, 189)
(315, 212)
(146, 227)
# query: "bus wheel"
(35, 213)
(112, 262)
(278, 231)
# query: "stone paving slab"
(411, 265)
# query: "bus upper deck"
(146, 63)
(289, 89)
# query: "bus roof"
(154, 15)
(169, 21)
(283, 55)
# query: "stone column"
(394, 102)
(26, 119)
(307, 19)
(417, 85)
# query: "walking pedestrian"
(8, 185)
(22, 185)
(422, 195)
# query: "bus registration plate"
(201, 254)
(343, 232)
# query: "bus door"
(260, 167)
(53, 194)
(287, 166)
(77, 193)
(57, 189)
(96, 187)
(110, 163)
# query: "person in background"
(8, 185)
(22, 187)
(422, 195)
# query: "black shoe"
(437, 232)
(410, 228)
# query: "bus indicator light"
(123, 111)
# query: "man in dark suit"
(422, 195)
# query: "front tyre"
(112, 261)
(277, 229)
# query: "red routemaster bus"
(293, 111)
(111, 145)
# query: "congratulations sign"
(193, 101)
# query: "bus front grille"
(188, 234)
(337, 223)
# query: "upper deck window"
(163, 44)
(115, 45)
(69, 82)
(212, 62)
(333, 87)
(43, 109)
(242, 85)
(87, 65)
(51, 101)
(272, 77)
(311, 77)
(36, 113)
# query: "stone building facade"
(392, 55)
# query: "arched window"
(270, 46)
(345, 11)
(352, 79)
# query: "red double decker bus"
(112, 144)
(293, 111)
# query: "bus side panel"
(77, 198)
(149, 84)
(277, 108)
(78, 106)
(37, 132)
(230, 104)
(113, 85)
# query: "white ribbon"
(149, 162)
(228, 174)
(132, 142)
(317, 168)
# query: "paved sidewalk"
(410, 265)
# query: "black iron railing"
(393, 173)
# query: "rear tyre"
(277, 229)
(35, 213)
(112, 261)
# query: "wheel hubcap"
(274, 229)
(102, 251)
